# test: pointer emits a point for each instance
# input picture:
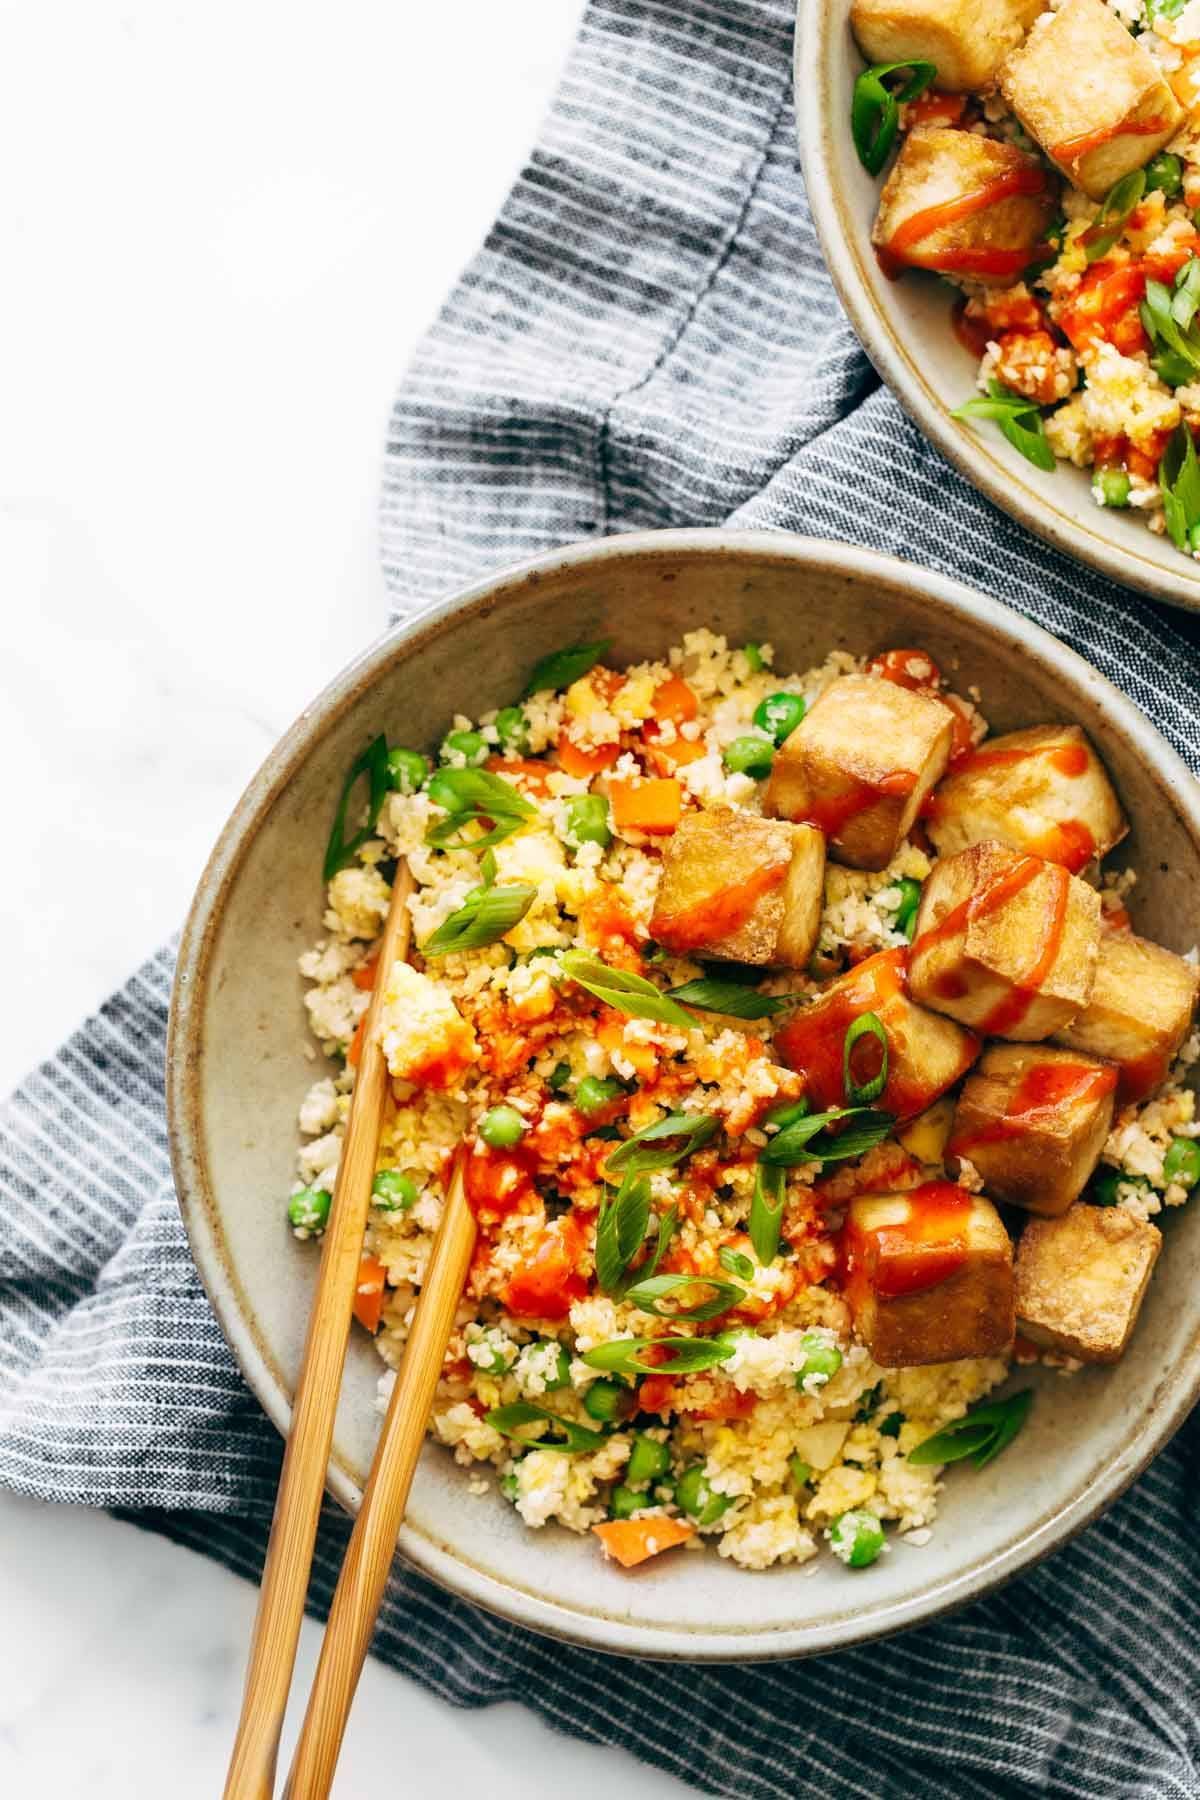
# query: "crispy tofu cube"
(965, 40)
(741, 889)
(964, 205)
(859, 765)
(1080, 1280)
(1005, 943)
(1092, 95)
(1033, 1121)
(929, 1275)
(1043, 791)
(926, 1053)
(1139, 1012)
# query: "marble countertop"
(233, 223)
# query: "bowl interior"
(905, 328)
(239, 1068)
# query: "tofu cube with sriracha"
(741, 889)
(1081, 1278)
(928, 1275)
(1005, 943)
(965, 40)
(926, 1054)
(1043, 791)
(1140, 1010)
(1092, 95)
(964, 205)
(859, 765)
(1033, 1121)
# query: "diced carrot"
(654, 806)
(666, 757)
(658, 1393)
(522, 768)
(368, 1296)
(354, 1048)
(935, 108)
(632, 1541)
(674, 700)
(580, 763)
(611, 1033)
(364, 978)
(1105, 306)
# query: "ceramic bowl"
(905, 329)
(238, 1069)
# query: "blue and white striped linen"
(646, 339)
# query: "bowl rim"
(1023, 500)
(598, 1630)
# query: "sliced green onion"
(1186, 299)
(621, 1230)
(648, 1296)
(648, 1460)
(808, 1140)
(510, 1421)
(875, 108)
(788, 1113)
(631, 994)
(1111, 487)
(1019, 419)
(735, 1263)
(800, 1471)
(698, 1499)
(1179, 484)
(688, 1132)
(983, 1433)
(1158, 317)
(373, 765)
(1164, 172)
(607, 1401)
(1182, 1162)
(906, 913)
(624, 1501)
(562, 667)
(864, 1093)
(1113, 216)
(658, 1356)
(472, 796)
(766, 1212)
(484, 917)
(730, 997)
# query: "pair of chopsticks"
(302, 1481)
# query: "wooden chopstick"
(288, 1565)
(372, 1545)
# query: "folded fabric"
(648, 338)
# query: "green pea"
(910, 900)
(801, 1471)
(697, 1498)
(558, 1077)
(856, 1538)
(822, 1360)
(753, 655)
(407, 769)
(1106, 1182)
(748, 756)
(1182, 1162)
(502, 1127)
(309, 1209)
(788, 1113)
(510, 1487)
(467, 745)
(512, 728)
(595, 1092)
(779, 714)
(606, 1401)
(623, 1502)
(1164, 172)
(1110, 487)
(647, 1460)
(393, 1192)
(587, 820)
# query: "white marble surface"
(223, 229)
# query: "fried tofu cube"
(1033, 1121)
(1139, 1012)
(859, 765)
(1092, 95)
(741, 889)
(1006, 943)
(1080, 1280)
(965, 40)
(929, 1275)
(964, 205)
(926, 1053)
(1043, 791)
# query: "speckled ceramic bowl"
(905, 329)
(238, 1069)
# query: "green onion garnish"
(373, 764)
(807, 1140)
(1113, 216)
(1019, 419)
(981, 1435)
(731, 997)
(659, 1356)
(621, 1230)
(631, 994)
(484, 916)
(471, 795)
(1179, 484)
(735, 1264)
(562, 667)
(687, 1132)
(766, 1211)
(864, 1093)
(649, 1294)
(509, 1421)
(875, 109)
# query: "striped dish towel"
(647, 339)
